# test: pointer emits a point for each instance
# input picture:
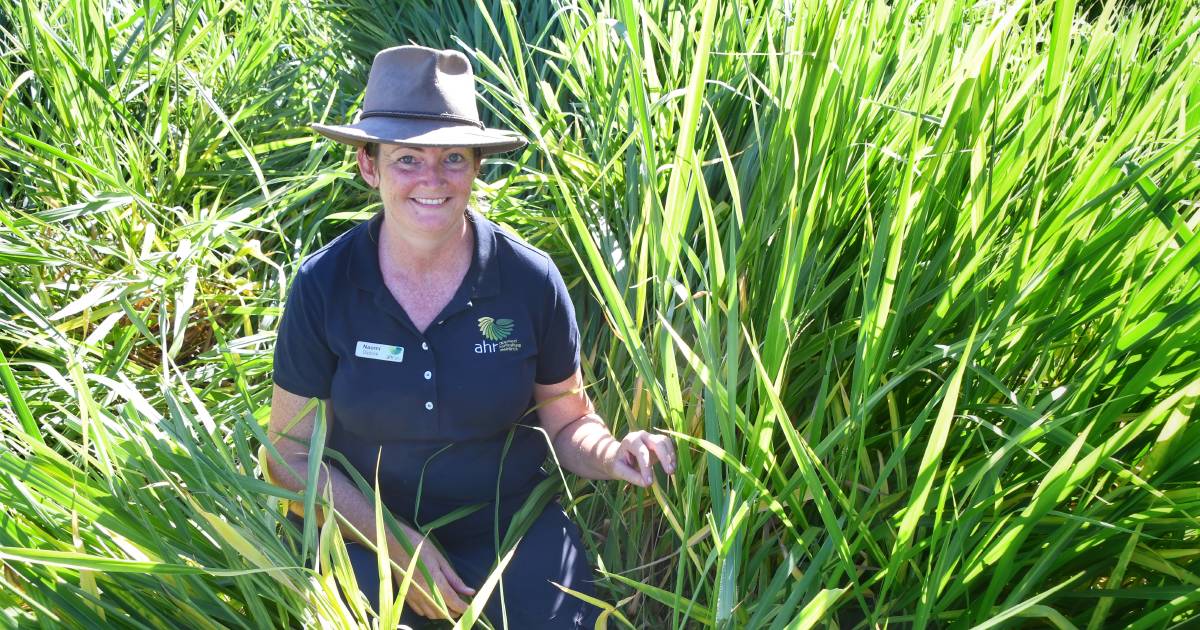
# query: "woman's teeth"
(431, 201)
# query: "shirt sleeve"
(558, 347)
(304, 364)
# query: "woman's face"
(425, 189)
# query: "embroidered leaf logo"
(495, 329)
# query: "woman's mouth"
(430, 201)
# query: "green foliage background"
(914, 285)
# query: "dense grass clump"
(914, 285)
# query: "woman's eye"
(455, 158)
(406, 159)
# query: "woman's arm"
(583, 444)
(291, 438)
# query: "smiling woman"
(433, 335)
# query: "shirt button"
(424, 346)
(429, 406)
(428, 375)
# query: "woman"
(432, 333)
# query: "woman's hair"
(373, 151)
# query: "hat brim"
(421, 133)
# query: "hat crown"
(423, 82)
(421, 97)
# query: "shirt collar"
(482, 278)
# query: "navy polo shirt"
(435, 408)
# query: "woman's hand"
(447, 582)
(634, 459)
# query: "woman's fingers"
(444, 579)
(624, 470)
(454, 603)
(664, 450)
(448, 582)
(636, 456)
(456, 582)
(424, 605)
(417, 600)
(662, 447)
(422, 609)
(443, 576)
(642, 454)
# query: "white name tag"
(379, 351)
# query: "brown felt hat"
(421, 97)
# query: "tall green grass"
(914, 286)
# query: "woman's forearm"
(356, 510)
(586, 448)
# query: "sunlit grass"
(914, 286)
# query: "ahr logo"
(495, 333)
(495, 329)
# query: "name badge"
(379, 351)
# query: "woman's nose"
(433, 174)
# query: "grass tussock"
(913, 284)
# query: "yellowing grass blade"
(475, 608)
(814, 611)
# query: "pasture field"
(915, 285)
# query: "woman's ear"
(367, 167)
